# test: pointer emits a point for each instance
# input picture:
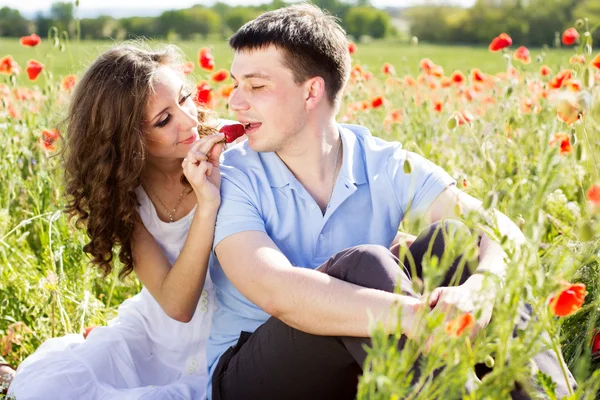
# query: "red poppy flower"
(68, 82)
(438, 106)
(564, 141)
(367, 75)
(87, 331)
(596, 61)
(596, 344)
(500, 42)
(458, 77)
(377, 102)
(477, 75)
(560, 78)
(30, 41)
(568, 300)
(205, 59)
(445, 82)
(570, 36)
(395, 117)
(427, 65)
(34, 69)
(188, 67)
(593, 194)
(220, 75)
(6, 65)
(573, 85)
(545, 70)
(567, 110)
(351, 48)
(522, 54)
(388, 69)
(203, 94)
(577, 59)
(409, 81)
(458, 326)
(47, 139)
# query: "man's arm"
(305, 299)
(491, 254)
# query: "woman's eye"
(184, 98)
(164, 121)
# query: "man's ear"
(314, 91)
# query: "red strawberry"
(232, 132)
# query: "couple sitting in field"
(263, 268)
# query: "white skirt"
(143, 354)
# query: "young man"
(297, 198)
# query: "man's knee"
(368, 265)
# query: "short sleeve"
(239, 209)
(418, 185)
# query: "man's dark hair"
(313, 43)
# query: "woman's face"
(171, 121)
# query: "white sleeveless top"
(178, 344)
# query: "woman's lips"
(189, 140)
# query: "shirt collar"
(353, 167)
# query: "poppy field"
(517, 128)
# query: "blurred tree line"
(528, 22)
(358, 17)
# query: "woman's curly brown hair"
(105, 147)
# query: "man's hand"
(470, 297)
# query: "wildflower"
(545, 70)
(34, 69)
(568, 300)
(458, 77)
(30, 41)
(573, 85)
(205, 59)
(188, 67)
(522, 54)
(577, 59)
(563, 140)
(68, 82)
(477, 75)
(220, 75)
(226, 90)
(47, 139)
(395, 117)
(87, 330)
(438, 106)
(570, 36)
(203, 94)
(351, 48)
(596, 344)
(458, 326)
(388, 69)
(7, 65)
(560, 78)
(593, 194)
(500, 42)
(377, 102)
(596, 61)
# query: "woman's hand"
(201, 168)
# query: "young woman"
(133, 132)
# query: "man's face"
(267, 100)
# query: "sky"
(35, 5)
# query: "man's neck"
(312, 160)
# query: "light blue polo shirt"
(259, 193)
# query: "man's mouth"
(252, 126)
